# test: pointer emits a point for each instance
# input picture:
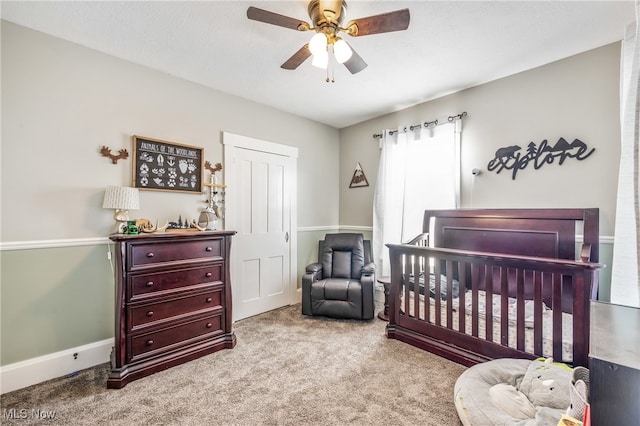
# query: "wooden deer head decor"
(212, 169)
(106, 152)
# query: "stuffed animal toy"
(544, 387)
(547, 384)
(578, 393)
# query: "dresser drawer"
(146, 254)
(155, 313)
(164, 340)
(145, 285)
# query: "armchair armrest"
(312, 274)
(367, 281)
(369, 269)
(313, 268)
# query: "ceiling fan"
(327, 17)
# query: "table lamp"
(121, 199)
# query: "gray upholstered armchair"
(341, 283)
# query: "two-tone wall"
(61, 102)
(574, 98)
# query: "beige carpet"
(285, 369)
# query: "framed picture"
(166, 166)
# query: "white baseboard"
(47, 367)
(298, 297)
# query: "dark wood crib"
(494, 283)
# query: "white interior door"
(259, 197)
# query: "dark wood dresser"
(173, 301)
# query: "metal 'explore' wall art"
(510, 158)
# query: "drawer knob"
(208, 249)
(150, 314)
(149, 284)
(208, 300)
(209, 325)
(149, 342)
(150, 254)
(208, 274)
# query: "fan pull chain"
(330, 65)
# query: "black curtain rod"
(426, 124)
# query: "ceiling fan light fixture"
(320, 59)
(342, 51)
(318, 43)
(326, 22)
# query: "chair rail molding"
(43, 244)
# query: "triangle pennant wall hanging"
(358, 180)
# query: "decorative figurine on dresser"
(173, 301)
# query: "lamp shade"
(341, 51)
(320, 59)
(121, 198)
(318, 43)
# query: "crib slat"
(520, 309)
(425, 269)
(415, 272)
(462, 286)
(436, 300)
(537, 312)
(488, 303)
(449, 305)
(416, 285)
(557, 316)
(504, 306)
(406, 278)
(476, 274)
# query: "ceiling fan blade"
(355, 63)
(384, 23)
(298, 58)
(276, 19)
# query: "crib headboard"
(547, 233)
(526, 232)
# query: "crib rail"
(524, 288)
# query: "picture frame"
(161, 165)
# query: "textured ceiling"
(449, 46)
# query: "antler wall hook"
(106, 152)
(217, 168)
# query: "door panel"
(261, 214)
(250, 276)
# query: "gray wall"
(573, 98)
(576, 97)
(61, 102)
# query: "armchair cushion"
(338, 298)
(342, 256)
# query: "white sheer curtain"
(418, 170)
(625, 277)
